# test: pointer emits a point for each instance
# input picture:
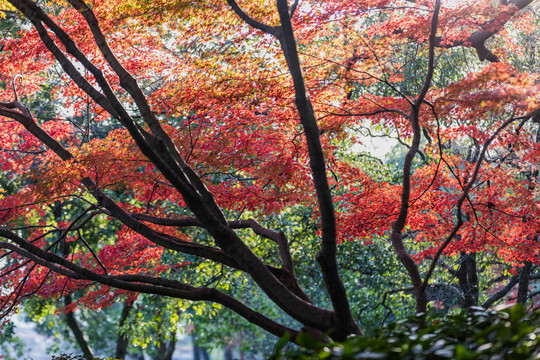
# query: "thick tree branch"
(327, 255)
(501, 293)
(478, 38)
(276, 236)
(139, 283)
(36, 16)
(35, 258)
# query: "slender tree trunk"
(171, 346)
(199, 352)
(468, 280)
(166, 347)
(123, 339)
(204, 353)
(76, 330)
(326, 257)
(70, 316)
(196, 354)
(523, 289)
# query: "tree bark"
(76, 330)
(123, 339)
(468, 280)
(167, 347)
(523, 288)
(327, 254)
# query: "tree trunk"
(468, 280)
(167, 347)
(523, 289)
(199, 352)
(196, 355)
(76, 330)
(204, 353)
(123, 339)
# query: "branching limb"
(501, 293)
(464, 196)
(38, 17)
(327, 255)
(276, 236)
(294, 6)
(128, 82)
(169, 242)
(35, 258)
(399, 224)
(139, 283)
(478, 39)
(250, 21)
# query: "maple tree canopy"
(143, 139)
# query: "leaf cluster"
(77, 357)
(512, 333)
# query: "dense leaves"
(511, 333)
(209, 150)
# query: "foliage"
(11, 347)
(76, 357)
(512, 333)
(206, 151)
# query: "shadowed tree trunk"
(167, 347)
(204, 353)
(70, 316)
(523, 289)
(123, 338)
(468, 280)
(76, 330)
(199, 352)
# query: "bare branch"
(294, 6)
(431, 56)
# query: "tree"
(208, 127)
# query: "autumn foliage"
(140, 139)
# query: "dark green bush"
(512, 333)
(77, 357)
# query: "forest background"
(176, 164)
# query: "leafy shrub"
(512, 333)
(77, 357)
